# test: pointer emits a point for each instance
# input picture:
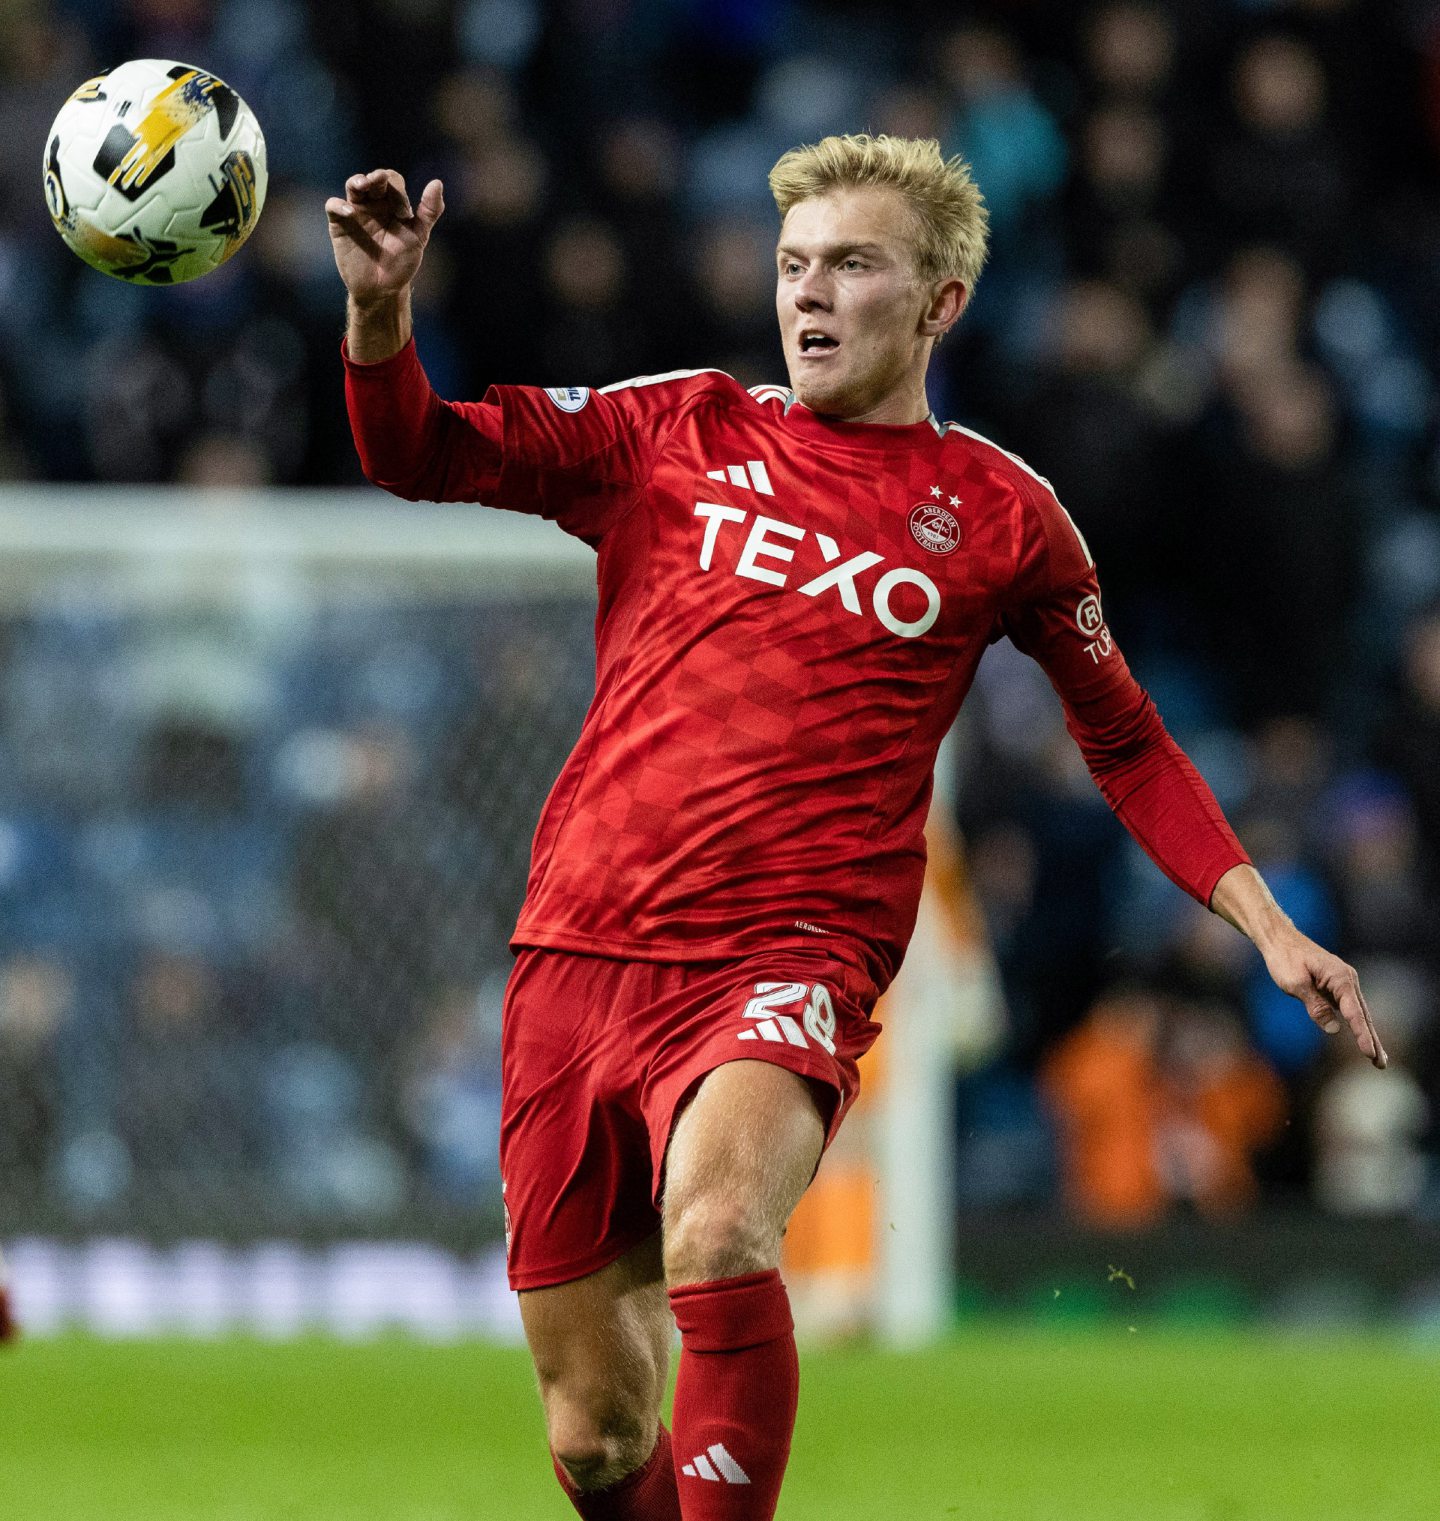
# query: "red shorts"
(600, 1056)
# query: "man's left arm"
(1161, 798)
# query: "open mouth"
(817, 343)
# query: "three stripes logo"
(716, 1465)
(752, 475)
(813, 1005)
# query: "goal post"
(872, 1247)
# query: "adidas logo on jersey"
(716, 1465)
(750, 475)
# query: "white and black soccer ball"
(155, 172)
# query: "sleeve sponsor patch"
(1088, 617)
(568, 398)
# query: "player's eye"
(853, 264)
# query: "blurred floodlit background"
(264, 818)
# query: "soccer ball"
(155, 172)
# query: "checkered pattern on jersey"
(756, 767)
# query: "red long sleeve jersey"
(791, 612)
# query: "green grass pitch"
(998, 1425)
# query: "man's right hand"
(379, 241)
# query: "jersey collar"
(800, 420)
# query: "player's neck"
(901, 407)
(892, 413)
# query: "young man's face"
(851, 304)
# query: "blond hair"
(951, 222)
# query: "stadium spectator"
(1159, 1101)
(1280, 172)
(1120, 212)
(1218, 305)
(184, 1096)
(37, 997)
(1010, 137)
(1223, 1105)
(1408, 738)
(1103, 1083)
(1129, 51)
(1383, 907)
(1369, 1144)
(450, 1099)
(1088, 407)
(353, 860)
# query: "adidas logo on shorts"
(813, 1005)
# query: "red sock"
(735, 1396)
(648, 1494)
(9, 1326)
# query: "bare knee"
(709, 1237)
(601, 1347)
(598, 1436)
(602, 1413)
(740, 1156)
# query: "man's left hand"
(1328, 987)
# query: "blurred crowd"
(257, 876)
(1211, 317)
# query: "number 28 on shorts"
(812, 1017)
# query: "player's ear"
(947, 302)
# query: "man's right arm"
(378, 331)
(412, 443)
(409, 441)
(568, 454)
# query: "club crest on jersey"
(568, 398)
(935, 528)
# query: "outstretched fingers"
(1327, 986)
(1335, 1000)
(1357, 1016)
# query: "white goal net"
(269, 769)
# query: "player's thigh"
(601, 1343)
(741, 1154)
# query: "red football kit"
(791, 611)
